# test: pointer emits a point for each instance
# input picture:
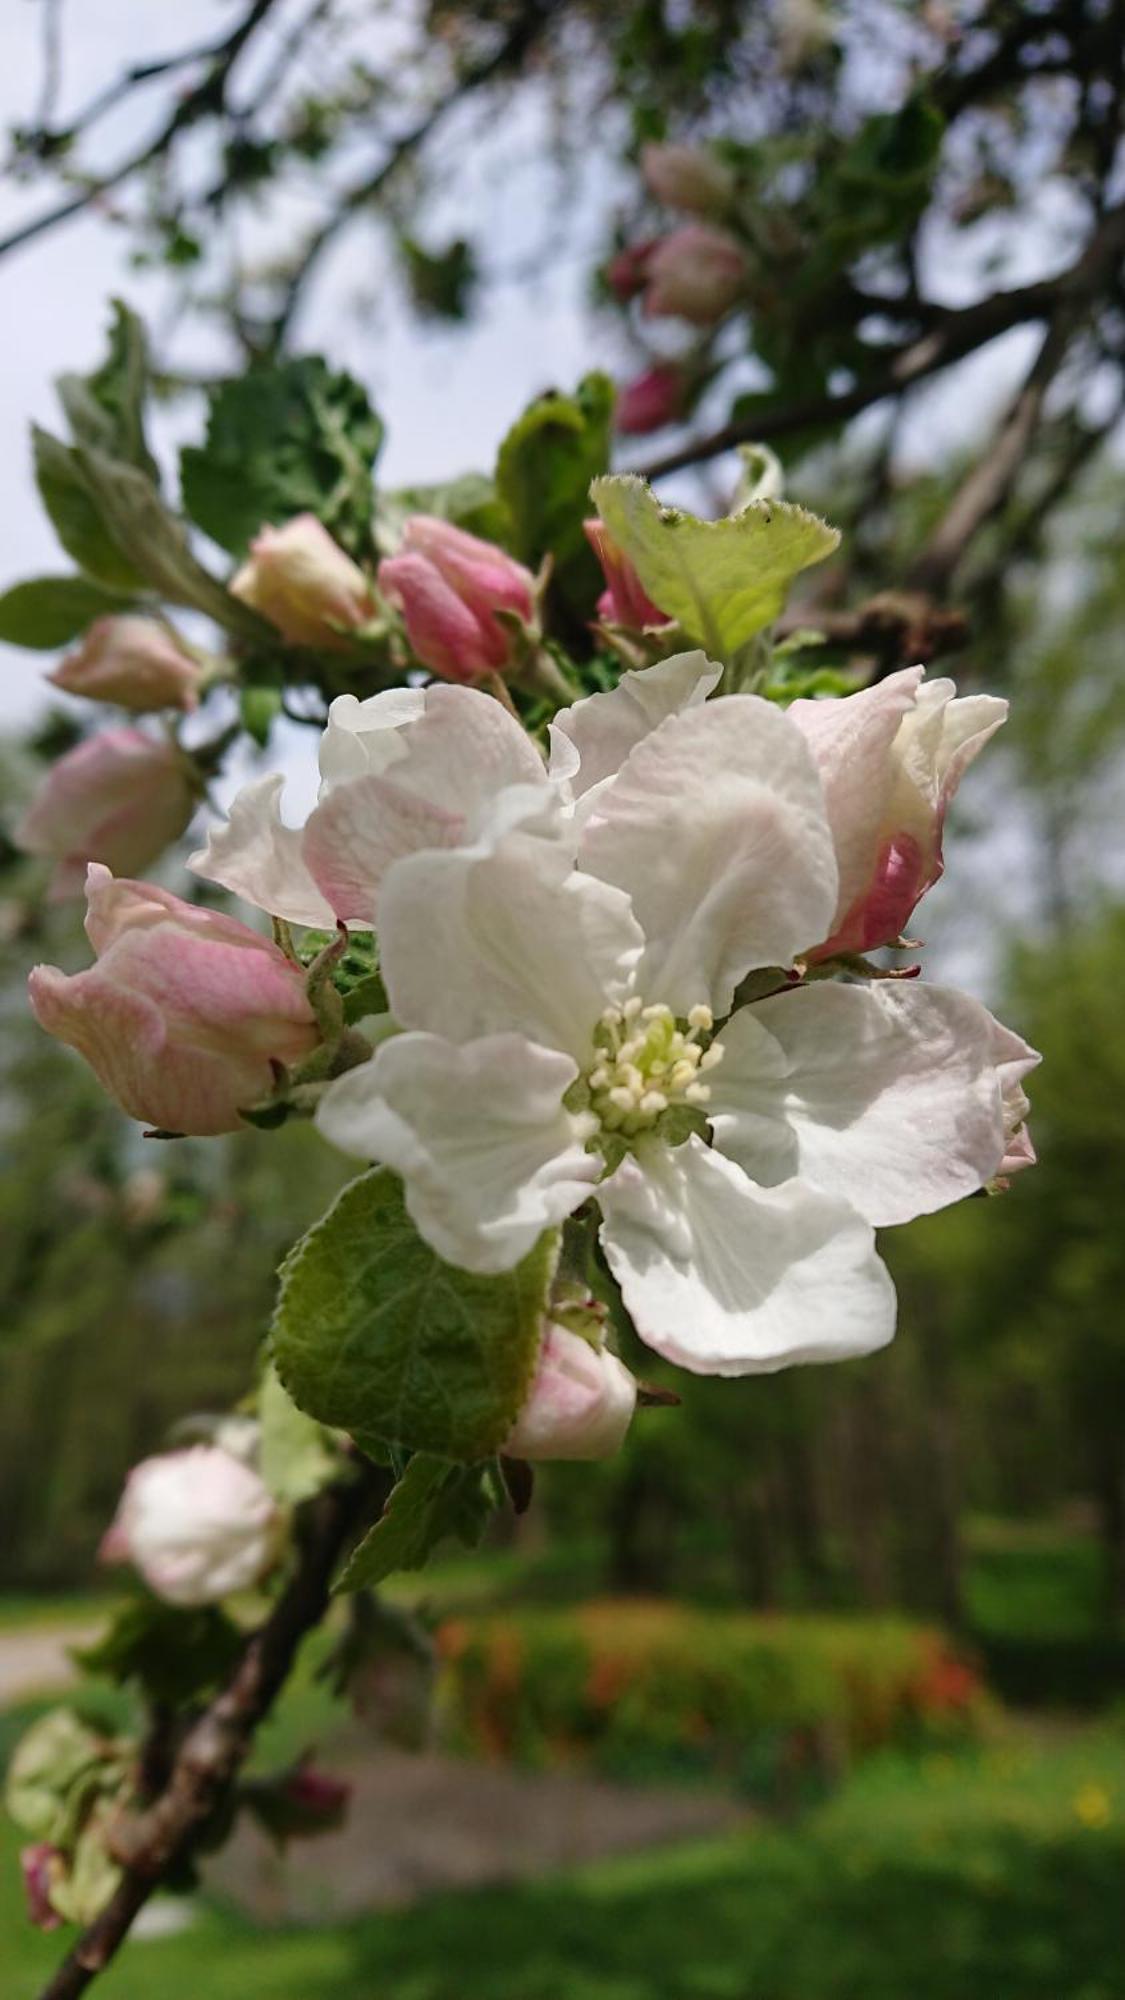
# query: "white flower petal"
(505, 935)
(362, 736)
(489, 1155)
(413, 769)
(726, 1278)
(887, 1095)
(850, 738)
(716, 828)
(591, 741)
(258, 857)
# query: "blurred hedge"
(777, 1706)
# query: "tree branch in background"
(207, 97)
(207, 1763)
(951, 336)
(520, 38)
(986, 487)
(896, 628)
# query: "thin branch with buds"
(205, 1768)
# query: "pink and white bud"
(41, 1866)
(890, 760)
(652, 400)
(625, 600)
(120, 798)
(580, 1403)
(301, 580)
(198, 1525)
(185, 1012)
(697, 273)
(688, 177)
(317, 1794)
(136, 662)
(449, 586)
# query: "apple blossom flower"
(890, 759)
(696, 273)
(562, 1041)
(624, 601)
(184, 1013)
(198, 1524)
(136, 662)
(427, 767)
(651, 400)
(449, 586)
(689, 177)
(580, 1403)
(121, 797)
(302, 581)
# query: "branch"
(517, 42)
(953, 334)
(212, 1753)
(898, 628)
(208, 96)
(986, 487)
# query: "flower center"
(648, 1071)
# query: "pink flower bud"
(120, 797)
(184, 1013)
(301, 580)
(449, 585)
(198, 1524)
(651, 400)
(580, 1403)
(135, 662)
(687, 177)
(697, 273)
(41, 1865)
(625, 600)
(890, 759)
(627, 272)
(317, 1793)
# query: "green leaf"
(289, 438)
(47, 611)
(74, 516)
(153, 539)
(175, 1655)
(355, 975)
(431, 1501)
(106, 409)
(469, 501)
(722, 581)
(296, 1459)
(54, 1770)
(543, 474)
(375, 1335)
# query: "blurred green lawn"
(995, 1876)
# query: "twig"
(898, 628)
(214, 1749)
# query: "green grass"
(987, 1878)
